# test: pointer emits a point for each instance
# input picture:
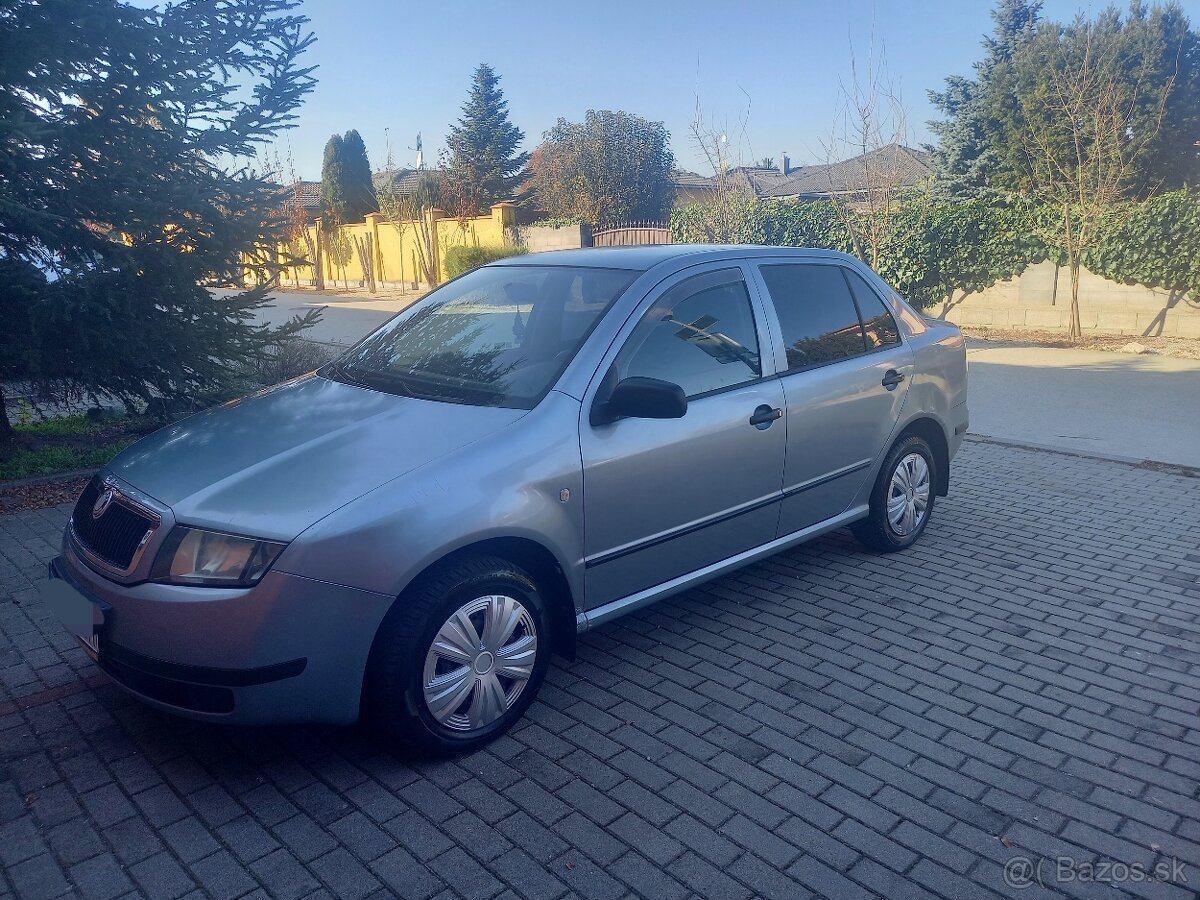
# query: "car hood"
(275, 462)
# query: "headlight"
(195, 556)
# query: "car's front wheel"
(903, 497)
(460, 656)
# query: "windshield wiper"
(341, 373)
(387, 381)
(395, 383)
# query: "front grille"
(116, 535)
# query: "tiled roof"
(904, 165)
(404, 181)
(681, 178)
(760, 179)
(755, 179)
(846, 177)
(309, 193)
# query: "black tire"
(876, 531)
(394, 691)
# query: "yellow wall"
(395, 246)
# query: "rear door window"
(816, 313)
(878, 324)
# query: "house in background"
(404, 181)
(752, 181)
(308, 194)
(893, 164)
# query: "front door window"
(699, 335)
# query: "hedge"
(933, 250)
(464, 259)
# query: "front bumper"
(289, 650)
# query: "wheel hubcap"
(479, 662)
(908, 495)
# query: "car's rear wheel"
(460, 656)
(902, 499)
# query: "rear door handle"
(764, 416)
(892, 378)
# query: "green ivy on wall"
(1155, 243)
(938, 251)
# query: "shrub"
(559, 222)
(464, 259)
(291, 359)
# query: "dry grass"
(1178, 347)
(41, 494)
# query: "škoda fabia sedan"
(531, 450)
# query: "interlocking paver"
(161, 877)
(223, 876)
(38, 877)
(100, 877)
(1025, 681)
(406, 877)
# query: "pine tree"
(981, 147)
(484, 165)
(356, 174)
(333, 182)
(969, 149)
(125, 195)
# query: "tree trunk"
(319, 262)
(6, 430)
(1076, 330)
(1074, 250)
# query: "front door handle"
(892, 378)
(764, 416)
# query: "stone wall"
(545, 237)
(1040, 298)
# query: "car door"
(665, 497)
(846, 378)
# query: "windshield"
(498, 336)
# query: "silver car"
(531, 450)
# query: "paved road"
(1024, 683)
(1117, 404)
(346, 319)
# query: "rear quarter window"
(879, 326)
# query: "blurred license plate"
(82, 617)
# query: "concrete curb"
(1156, 465)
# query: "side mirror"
(638, 397)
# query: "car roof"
(646, 257)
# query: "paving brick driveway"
(1024, 683)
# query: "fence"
(632, 234)
(394, 252)
(380, 252)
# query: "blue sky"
(405, 67)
